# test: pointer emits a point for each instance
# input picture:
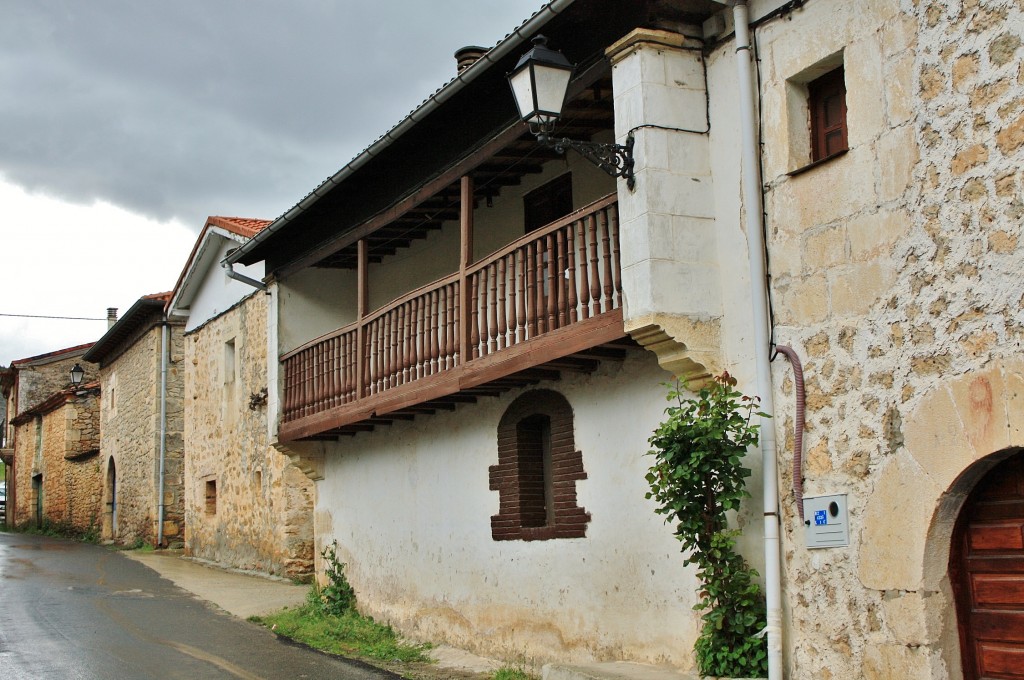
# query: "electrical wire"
(64, 318)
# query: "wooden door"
(987, 573)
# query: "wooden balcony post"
(361, 305)
(467, 301)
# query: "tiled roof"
(243, 226)
(55, 401)
(146, 310)
(56, 354)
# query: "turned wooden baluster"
(381, 335)
(502, 301)
(570, 251)
(474, 326)
(595, 273)
(369, 353)
(389, 347)
(490, 304)
(542, 297)
(560, 279)
(288, 389)
(342, 361)
(552, 278)
(414, 338)
(419, 333)
(516, 299)
(314, 378)
(332, 374)
(616, 261)
(435, 320)
(454, 323)
(606, 255)
(531, 290)
(584, 272)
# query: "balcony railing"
(558, 276)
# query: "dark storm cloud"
(184, 109)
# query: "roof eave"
(512, 41)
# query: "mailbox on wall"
(826, 521)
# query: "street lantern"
(540, 83)
(77, 373)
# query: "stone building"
(26, 384)
(246, 504)
(458, 295)
(139, 360)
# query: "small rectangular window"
(827, 104)
(229, 361)
(211, 497)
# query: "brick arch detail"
(569, 520)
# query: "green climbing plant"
(697, 478)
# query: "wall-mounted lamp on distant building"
(77, 373)
(539, 83)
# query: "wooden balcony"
(548, 302)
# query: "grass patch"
(348, 634)
(510, 673)
(57, 530)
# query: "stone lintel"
(649, 37)
(689, 348)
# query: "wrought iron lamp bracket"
(614, 159)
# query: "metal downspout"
(229, 269)
(754, 208)
(165, 348)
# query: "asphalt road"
(81, 612)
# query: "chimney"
(467, 56)
(111, 316)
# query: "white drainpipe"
(753, 205)
(165, 348)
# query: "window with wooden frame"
(547, 203)
(538, 466)
(827, 105)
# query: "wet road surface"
(75, 611)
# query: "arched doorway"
(110, 494)
(986, 569)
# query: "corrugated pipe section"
(798, 426)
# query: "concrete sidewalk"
(240, 593)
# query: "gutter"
(512, 42)
(753, 201)
(229, 269)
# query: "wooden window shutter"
(827, 103)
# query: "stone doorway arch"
(110, 501)
(956, 433)
(986, 567)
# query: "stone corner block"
(689, 348)
(307, 457)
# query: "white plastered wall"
(410, 507)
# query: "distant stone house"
(246, 504)
(141, 448)
(39, 385)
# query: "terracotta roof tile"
(54, 354)
(243, 226)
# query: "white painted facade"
(206, 290)
(410, 509)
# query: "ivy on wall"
(697, 478)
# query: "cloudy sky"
(125, 123)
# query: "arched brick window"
(537, 469)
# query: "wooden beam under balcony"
(491, 375)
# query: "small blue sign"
(820, 517)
